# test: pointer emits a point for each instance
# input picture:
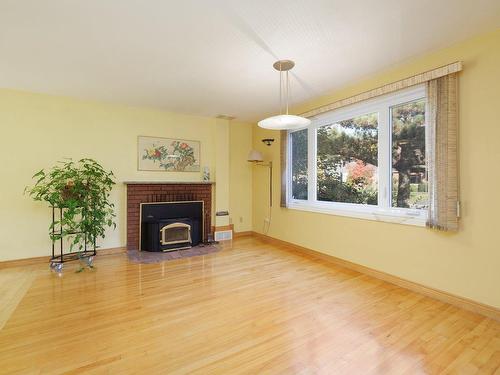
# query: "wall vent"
(225, 117)
(223, 235)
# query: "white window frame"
(383, 211)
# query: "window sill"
(398, 216)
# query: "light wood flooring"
(252, 308)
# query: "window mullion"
(311, 164)
(384, 158)
(289, 167)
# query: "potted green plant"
(81, 190)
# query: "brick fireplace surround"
(145, 192)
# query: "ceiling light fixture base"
(283, 65)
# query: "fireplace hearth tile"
(147, 257)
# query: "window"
(347, 159)
(298, 142)
(409, 177)
(366, 160)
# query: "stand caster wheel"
(87, 261)
(56, 267)
(90, 261)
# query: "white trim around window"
(383, 210)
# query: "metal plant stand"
(57, 260)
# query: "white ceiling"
(210, 57)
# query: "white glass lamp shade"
(284, 122)
(255, 155)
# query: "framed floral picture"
(167, 154)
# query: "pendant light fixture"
(284, 121)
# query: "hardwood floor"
(252, 308)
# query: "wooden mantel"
(156, 182)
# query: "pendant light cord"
(281, 91)
(284, 90)
(287, 91)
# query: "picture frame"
(168, 154)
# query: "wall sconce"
(268, 141)
(257, 159)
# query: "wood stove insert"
(166, 226)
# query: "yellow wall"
(467, 263)
(38, 130)
(240, 172)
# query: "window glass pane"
(409, 174)
(298, 141)
(347, 161)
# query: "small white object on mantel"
(169, 182)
